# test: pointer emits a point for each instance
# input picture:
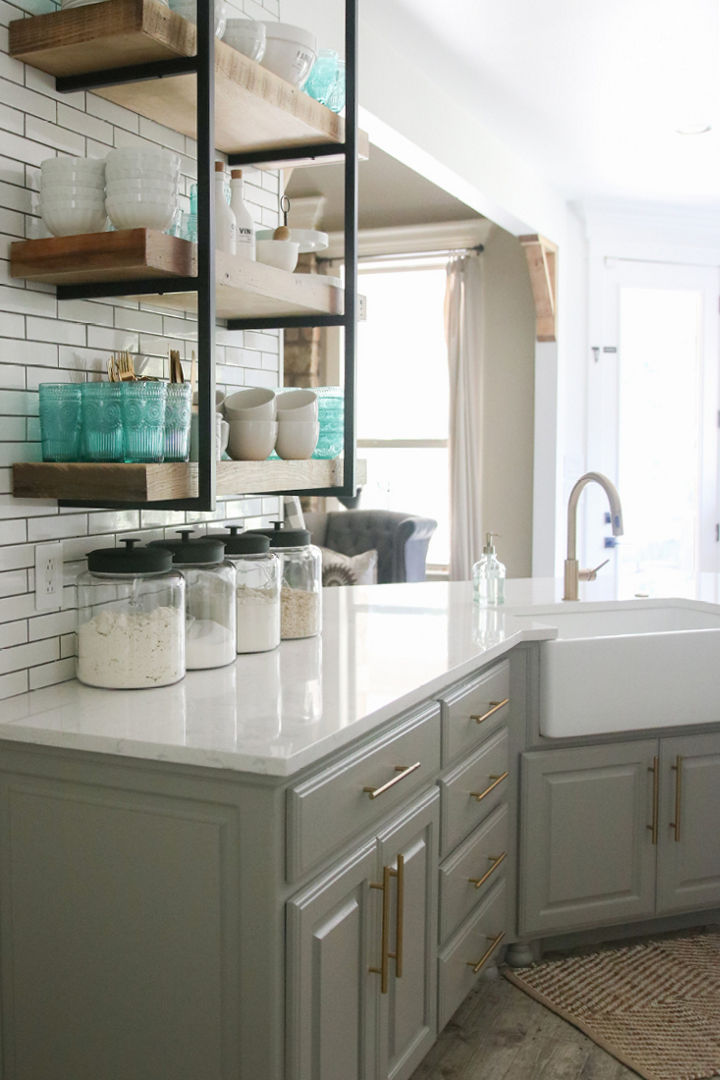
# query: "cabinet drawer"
(473, 948)
(333, 805)
(473, 789)
(471, 871)
(474, 710)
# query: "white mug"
(222, 435)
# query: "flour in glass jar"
(131, 650)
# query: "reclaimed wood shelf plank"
(104, 256)
(244, 287)
(255, 110)
(87, 481)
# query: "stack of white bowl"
(72, 195)
(253, 428)
(142, 187)
(298, 427)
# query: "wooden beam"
(541, 255)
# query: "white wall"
(43, 340)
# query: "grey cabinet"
(586, 854)
(361, 968)
(618, 832)
(688, 832)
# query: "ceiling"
(592, 92)
(589, 93)
(389, 194)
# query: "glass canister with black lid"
(301, 591)
(257, 589)
(131, 621)
(209, 599)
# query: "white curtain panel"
(464, 299)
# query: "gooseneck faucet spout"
(573, 574)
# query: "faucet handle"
(591, 575)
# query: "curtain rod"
(410, 255)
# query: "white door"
(653, 421)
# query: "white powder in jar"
(208, 644)
(127, 650)
(258, 619)
(300, 612)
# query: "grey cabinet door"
(408, 1011)
(331, 997)
(587, 852)
(689, 851)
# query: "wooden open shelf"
(244, 288)
(87, 482)
(254, 109)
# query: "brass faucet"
(572, 572)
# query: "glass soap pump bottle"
(488, 575)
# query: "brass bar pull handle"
(656, 790)
(382, 971)
(494, 942)
(494, 706)
(677, 769)
(495, 860)
(495, 781)
(399, 914)
(401, 770)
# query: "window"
(402, 393)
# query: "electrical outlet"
(48, 576)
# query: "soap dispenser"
(488, 576)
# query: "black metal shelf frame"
(203, 65)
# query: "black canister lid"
(282, 537)
(191, 550)
(130, 560)
(246, 543)
(290, 538)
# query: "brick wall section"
(43, 340)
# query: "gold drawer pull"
(495, 860)
(494, 942)
(494, 706)
(401, 770)
(677, 769)
(495, 781)
(656, 791)
(385, 954)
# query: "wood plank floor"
(500, 1033)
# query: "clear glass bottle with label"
(243, 216)
(225, 223)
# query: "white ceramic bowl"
(130, 161)
(297, 404)
(93, 169)
(251, 440)
(250, 403)
(280, 253)
(296, 439)
(69, 220)
(290, 52)
(152, 187)
(71, 191)
(72, 196)
(219, 398)
(188, 10)
(129, 213)
(247, 36)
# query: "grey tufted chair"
(401, 540)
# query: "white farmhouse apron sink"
(628, 667)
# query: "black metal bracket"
(137, 287)
(156, 69)
(288, 153)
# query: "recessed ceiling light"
(693, 129)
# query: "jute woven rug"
(654, 1006)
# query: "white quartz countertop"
(383, 649)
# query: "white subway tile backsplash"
(12, 532)
(50, 674)
(54, 528)
(55, 137)
(13, 582)
(46, 626)
(24, 656)
(63, 333)
(29, 303)
(13, 633)
(16, 683)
